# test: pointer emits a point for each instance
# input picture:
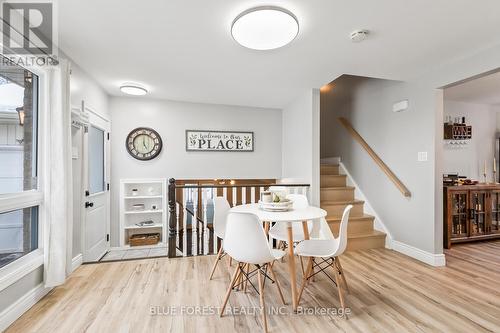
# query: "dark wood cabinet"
(494, 226)
(471, 212)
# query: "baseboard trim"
(432, 259)
(76, 262)
(16, 310)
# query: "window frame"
(16, 270)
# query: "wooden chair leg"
(337, 280)
(305, 278)
(262, 304)
(236, 274)
(342, 275)
(277, 283)
(239, 279)
(302, 266)
(219, 254)
(230, 262)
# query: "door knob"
(89, 204)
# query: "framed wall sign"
(198, 140)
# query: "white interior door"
(95, 231)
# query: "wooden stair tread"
(372, 234)
(336, 194)
(334, 219)
(348, 202)
(329, 169)
(338, 188)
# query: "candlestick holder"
(495, 177)
(484, 175)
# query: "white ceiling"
(183, 50)
(483, 90)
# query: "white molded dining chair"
(327, 249)
(246, 242)
(221, 209)
(279, 230)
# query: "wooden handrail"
(392, 177)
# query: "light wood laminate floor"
(389, 293)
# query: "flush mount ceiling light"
(133, 89)
(265, 28)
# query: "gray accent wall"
(396, 138)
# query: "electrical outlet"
(422, 156)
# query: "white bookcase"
(152, 193)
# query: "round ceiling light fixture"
(133, 89)
(265, 28)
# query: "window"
(96, 165)
(18, 162)
(18, 234)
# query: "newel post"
(172, 220)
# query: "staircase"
(335, 196)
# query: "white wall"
(301, 141)
(171, 119)
(85, 88)
(469, 160)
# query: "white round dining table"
(288, 217)
(294, 215)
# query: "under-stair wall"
(396, 138)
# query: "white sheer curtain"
(59, 199)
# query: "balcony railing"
(191, 210)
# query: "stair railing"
(385, 169)
(190, 203)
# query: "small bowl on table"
(280, 206)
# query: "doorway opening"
(470, 165)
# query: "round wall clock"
(144, 143)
